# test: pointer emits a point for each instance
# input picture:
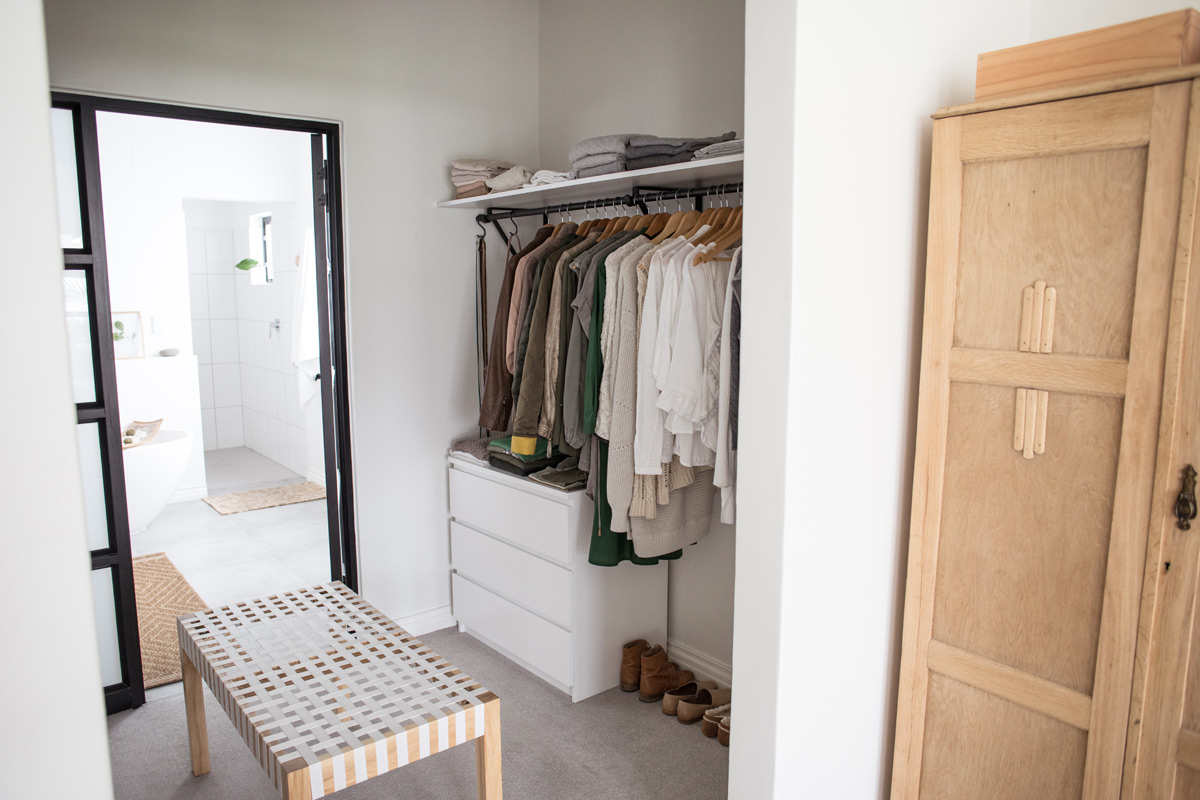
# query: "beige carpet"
(267, 498)
(162, 595)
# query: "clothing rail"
(638, 198)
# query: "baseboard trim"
(189, 493)
(435, 619)
(702, 664)
(319, 477)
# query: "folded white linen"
(545, 177)
(513, 178)
(480, 165)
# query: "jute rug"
(162, 595)
(267, 498)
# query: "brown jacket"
(497, 385)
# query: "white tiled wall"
(248, 391)
(272, 420)
(212, 283)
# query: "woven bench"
(328, 692)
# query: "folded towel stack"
(470, 175)
(512, 178)
(618, 152)
(725, 148)
(546, 177)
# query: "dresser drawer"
(543, 645)
(531, 581)
(533, 522)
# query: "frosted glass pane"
(94, 504)
(79, 335)
(66, 177)
(105, 604)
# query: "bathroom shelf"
(688, 175)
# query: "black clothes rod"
(639, 198)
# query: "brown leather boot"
(659, 675)
(631, 664)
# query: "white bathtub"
(152, 474)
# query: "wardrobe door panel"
(985, 748)
(1021, 570)
(1051, 255)
(1163, 757)
(1036, 219)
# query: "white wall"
(848, 261)
(56, 689)
(414, 85)
(672, 68)
(1050, 18)
(666, 67)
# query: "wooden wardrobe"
(1051, 646)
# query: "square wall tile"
(249, 387)
(227, 385)
(197, 265)
(198, 296)
(208, 423)
(224, 341)
(218, 247)
(202, 340)
(222, 297)
(206, 386)
(229, 428)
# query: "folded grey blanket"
(721, 149)
(612, 143)
(597, 160)
(657, 161)
(642, 140)
(604, 169)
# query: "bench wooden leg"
(193, 703)
(487, 754)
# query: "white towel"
(306, 341)
(545, 177)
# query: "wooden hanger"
(732, 234)
(657, 224)
(718, 222)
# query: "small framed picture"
(127, 334)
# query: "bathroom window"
(261, 250)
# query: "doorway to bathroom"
(205, 296)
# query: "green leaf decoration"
(246, 264)
(119, 325)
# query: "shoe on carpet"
(712, 718)
(692, 709)
(631, 664)
(723, 732)
(688, 690)
(659, 675)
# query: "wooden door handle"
(1185, 504)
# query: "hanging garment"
(725, 471)
(563, 240)
(551, 384)
(519, 300)
(609, 323)
(531, 350)
(497, 395)
(683, 521)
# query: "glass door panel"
(91, 462)
(107, 632)
(66, 174)
(79, 334)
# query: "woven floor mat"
(162, 595)
(267, 498)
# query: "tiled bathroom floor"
(240, 556)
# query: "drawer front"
(533, 522)
(541, 644)
(533, 582)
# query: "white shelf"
(688, 175)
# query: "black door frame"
(327, 209)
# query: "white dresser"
(522, 583)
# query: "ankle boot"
(631, 664)
(659, 675)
